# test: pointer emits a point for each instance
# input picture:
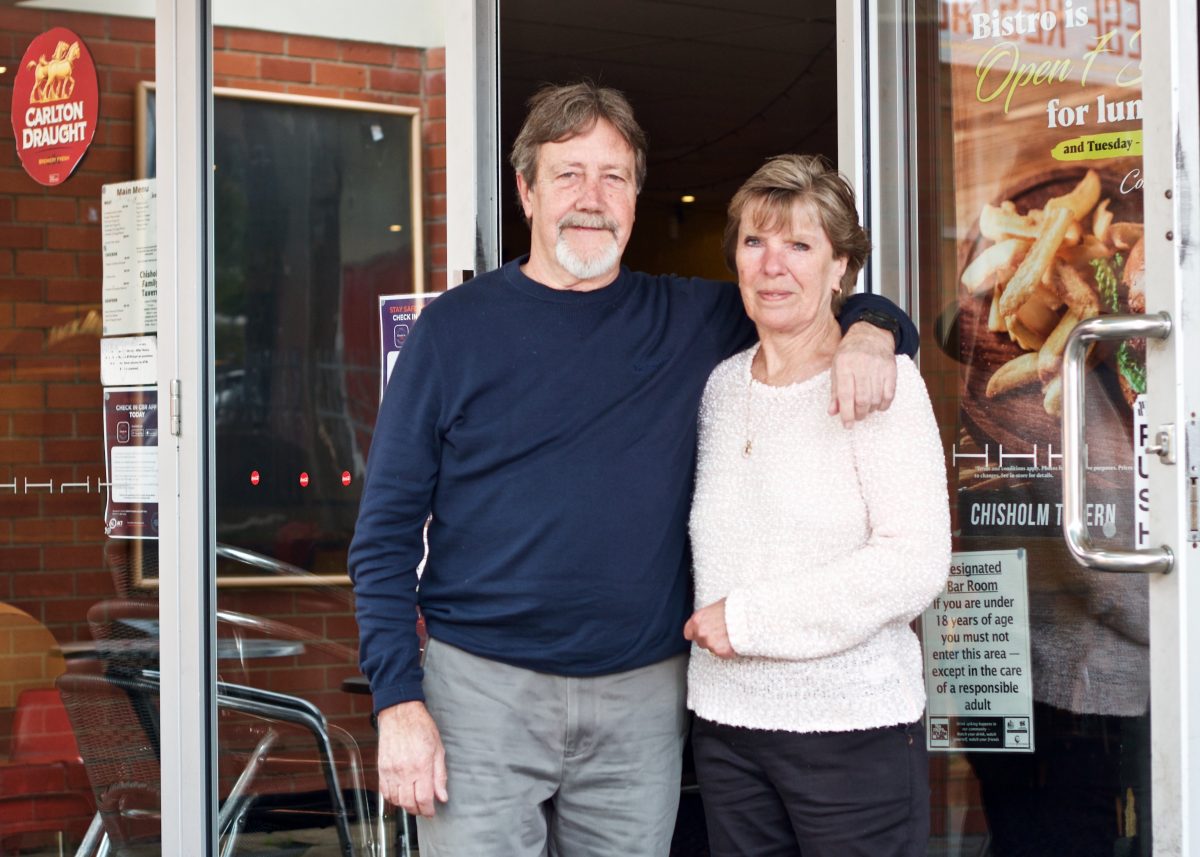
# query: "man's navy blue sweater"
(552, 437)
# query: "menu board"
(130, 257)
(1046, 108)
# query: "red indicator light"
(303, 480)
(254, 477)
(345, 477)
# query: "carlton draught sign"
(55, 105)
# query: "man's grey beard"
(593, 266)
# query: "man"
(545, 416)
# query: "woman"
(815, 547)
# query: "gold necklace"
(749, 447)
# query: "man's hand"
(707, 630)
(412, 761)
(864, 373)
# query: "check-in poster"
(1046, 103)
(397, 315)
(131, 462)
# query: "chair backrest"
(115, 722)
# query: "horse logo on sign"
(54, 78)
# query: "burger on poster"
(55, 105)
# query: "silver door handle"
(1075, 530)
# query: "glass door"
(341, 188)
(1017, 162)
(80, 520)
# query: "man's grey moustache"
(584, 221)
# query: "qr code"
(939, 732)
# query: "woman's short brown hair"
(771, 195)
(557, 113)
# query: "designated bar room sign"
(976, 645)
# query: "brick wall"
(51, 540)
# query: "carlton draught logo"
(55, 105)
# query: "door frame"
(874, 105)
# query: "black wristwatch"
(881, 320)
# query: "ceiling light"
(687, 197)
(395, 227)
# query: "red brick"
(21, 505)
(435, 83)
(437, 281)
(131, 29)
(391, 80)
(22, 236)
(71, 291)
(63, 611)
(20, 451)
(20, 559)
(73, 396)
(40, 585)
(76, 501)
(70, 450)
(435, 58)
(307, 46)
(45, 209)
(435, 208)
(6, 315)
(17, 181)
(235, 65)
(113, 54)
(437, 256)
(90, 528)
(366, 52)
(21, 341)
(39, 423)
(89, 423)
(294, 71)
(146, 61)
(6, 210)
(91, 265)
(73, 238)
(347, 76)
(435, 157)
(407, 58)
(434, 132)
(435, 108)
(118, 106)
(254, 40)
(435, 182)
(116, 162)
(14, 396)
(6, 261)
(42, 315)
(94, 583)
(38, 368)
(123, 80)
(21, 20)
(69, 557)
(19, 288)
(116, 134)
(45, 264)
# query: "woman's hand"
(707, 630)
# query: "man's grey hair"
(558, 113)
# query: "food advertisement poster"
(1046, 105)
(397, 315)
(131, 462)
(975, 637)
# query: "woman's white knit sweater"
(826, 543)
